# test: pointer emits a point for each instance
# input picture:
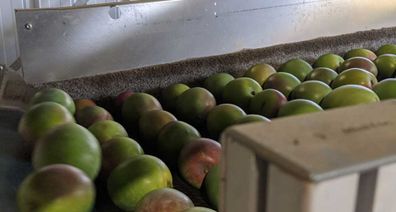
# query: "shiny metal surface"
(14, 92)
(70, 43)
(67, 3)
(9, 50)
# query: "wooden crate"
(340, 160)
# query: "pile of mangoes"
(74, 142)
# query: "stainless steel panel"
(68, 3)
(69, 43)
(9, 50)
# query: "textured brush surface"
(195, 70)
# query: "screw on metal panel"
(28, 26)
(115, 12)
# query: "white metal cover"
(66, 44)
(8, 38)
(340, 160)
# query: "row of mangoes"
(296, 87)
(67, 157)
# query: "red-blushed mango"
(171, 93)
(106, 130)
(260, 72)
(221, 117)
(298, 107)
(355, 76)
(151, 122)
(297, 67)
(83, 103)
(360, 52)
(135, 105)
(311, 90)
(194, 104)
(117, 150)
(136, 177)
(89, 115)
(164, 200)
(54, 95)
(283, 82)
(240, 91)
(69, 144)
(171, 139)
(120, 98)
(216, 83)
(348, 95)
(59, 187)
(196, 158)
(386, 89)
(322, 74)
(41, 119)
(359, 62)
(329, 60)
(267, 103)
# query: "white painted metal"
(308, 167)
(384, 200)
(326, 147)
(287, 193)
(241, 185)
(338, 194)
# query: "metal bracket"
(17, 66)
(15, 93)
